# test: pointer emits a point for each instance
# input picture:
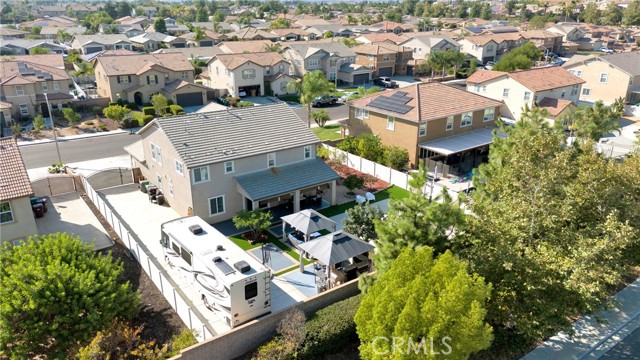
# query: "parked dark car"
(324, 100)
(385, 82)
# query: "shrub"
(38, 123)
(97, 110)
(170, 102)
(396, 157)
(113, 103)
(323, 152)
(181, 113)
(116, 112)
(176, 109)
(102, 127)
(146, 119)
(242, 104)
(149, 110)
(167, 115)
(353, 182)
(71, 116)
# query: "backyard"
(328, 132)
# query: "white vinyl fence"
(178, 300)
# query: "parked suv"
(385, 82)
(324, 100)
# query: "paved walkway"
(85, 168)
(75, 137)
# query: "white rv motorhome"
(231, 282)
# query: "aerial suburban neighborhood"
(204, 179)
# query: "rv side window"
(176, 248)
(250, 291)
(186, 256)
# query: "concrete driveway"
(404, 80)
(70, 214)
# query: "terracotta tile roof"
(52, 60)
(285, 32)
(390, 25)
(539, 34)
(179, 84)
(375, 49)
(132, 64)
(554, 106)
(14, 180)
(481, 76)
(480, 39)
(232, 61)
(545, 78)
(376, 37)
(239, 47)
(251, 32)
(10, 72)
(429, 101)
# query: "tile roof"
(545, 78)
(628, 62)
(285, 32)
(251, 32)
(238, 47)
(14, 180)
(232, 61)
(539, 34)
(152, 36)
(51, 60)
(105, 39)
(481, 76)
(375, 49)
(383, 37)
(390, 25)
(132, 64)
(306, 48)
(433, 40)
(207, 138)
(480, 39)
(71, 30)
(198, 52)
(554, 106)
(430, 101)
(179, 84)
(10, 72)
(5, 31)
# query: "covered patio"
(307, 224)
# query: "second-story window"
(156, 154)
(489, 114)
(248, 74)
(228, 167)
(56, 85)
(449, 123)
(505, 93)
(386, 58)
(271, 160)
(603, 78)
(179, 167)
(391, 123)
(467, 119)
(185, 75)
(313, 63)
(527, 96)
(200, 174)
(45, 86)
(423, 129)
(152, 80)
(19, 90)
(333, 62)
(574, 90)
(123, 79)
(361, 113)
(307, 152)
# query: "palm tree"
(63, 36)
(455, 58)
(312, 85)
(436, 60)
(274, 47)
(198, 34)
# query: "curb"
(74, 137)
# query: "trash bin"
(38, 210)
(143, 185)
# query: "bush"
(113, 103)
(97, 110)
(146, 119)
(181, 113)
(149, 110)
(167, 115)
(242, 104)
(396, 157)
(353, 182)
(175, 109)
(322, 152)
(170, 102)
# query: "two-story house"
(334, 59)
(249, 46)
(250, 73)
(526, 87)
(378, 37)
(215, 164)
(384, 58)
(16, 217)
(51, 33)
(152, 41)
(25, 79)
(609, 77)
(291, 34)
(129, 30)
(88, 44)
(251, 33)
(423, 45)
(545, 40)
(431, 120)
(25, 46)
(388, 26)
(481, 47)
(573, 39)
(136, 78)
(12, 34)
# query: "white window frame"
(45, 86)
(24, 109)
(527, 95)
(248, 74)
(156, 153)
(466, 119)
(391, 123)
(283, 86)
(3, 212)
(124, 79)
(491, 112)
(577, 73)
(202, 179)
(449, 126)
(307, 152)
(226, 167)
(152, 79)
(574, 90)
(605, 76)
(313, 63)
(271, 157)
(179, 167)
(332, 76)
(171, 189)
(505, 93)
(19, 90)
(185, 75)
(224, 208)
(422, 129)
(386, 57)
(586, 92)
(56, 86)
(361, 113)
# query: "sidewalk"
(595, 334)
(75, 137)
(85, 168)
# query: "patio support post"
(333, 192)
(284, 235)
(301, 263)
(296, 201)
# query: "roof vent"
(242, 266)
(195, 229)
(219, 248)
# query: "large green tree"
(313, 84)
(594, 122)
(612, 14)
(160, 26)
(521, 58)
(433, 306)
(631, 15)
(360, 221)
(56, 291)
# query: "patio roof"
(309, 221)
(136, 151)
(336, 247)
(458, 143)
(271, 182)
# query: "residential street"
(338, 111)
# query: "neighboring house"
(145, 11)
(332, 58)
(481, 47)
(573, 39)
(239, 47)
(51, 10)
(6, 118)
(205, 53)
(129, 30)
(153, 41)
(12, 34)
(216, 164)
(56, 21)
(250, 73)
(93, 57)
(291, 34)
(545, 40)
(557, 108)
(417, 117)
(51, 33)
(24, 46)
(82, 10)
(205, 41)
(384, 58)
(25, 80)
(140, 20)
(336, 30)
(221, 27)
(391, 27)
(17, 221)
(423, 45)
(173, 28)
(251, 33)
(525, 87)
(378, 37)
(136, 78)
(609, 77)
(87, 44)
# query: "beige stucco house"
(481, 47)
(384, 58)
(89, 44)
(217, 163)
(423, 45)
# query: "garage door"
(387, 71)
(409, 70)
(189, 99)
(360, 79)
(93, 49)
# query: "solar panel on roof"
(395, 103)
(223, 265)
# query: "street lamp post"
(53, 127)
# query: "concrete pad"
(85, 168)
(278, 260)
(69, 213)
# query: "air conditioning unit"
(195, 229)
(242, 266)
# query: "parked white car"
(346, 95)
(606, 50)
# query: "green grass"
(242, 243)
(329, 132)
(392, 192)
(292, 98)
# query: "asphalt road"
(627, 349)
(71, 151)
(336, 112)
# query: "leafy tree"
(257, 221)
(363, 92)
(121, 341)
(320, 117)
(420, 298)
(454, 58)
(486, 11)
(592, 123)
(218, 16)
(360, 221)
(612, 14)
(353, 182)
(83, 68)
(201, 15)
(313, 84)
(631, 15)
(198, 33)
(92, 21)
(591, 13)
(159, 25)
(280, 24)
(63, 36)
(396, 157)
(123, 9)
(39, 50)
(38, 123)
(36, 30)
(511, 62)
(538, 22)
(71, 116)
(415, 221)
(159, 103)
(116, 112)
(510, 6)
(56, 291)
(327, 34)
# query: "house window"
(333, 62)
(19, 90)
(391, 123)
(151, 80)
(449, 123)
(313, 63)
(24, 110)
(45, 86)
(283, 86)
(586, 92)
(467, 119)
(489, 114)
(217, 71)
(271, 160)
(332, 76)
(297, 62)
(216, 205)
(179, 168)
(603, 78)
(228, 167)
(386, 58)
(574, 90)
(124, 79)
(156, 154)
(484, 88)
(171, 189)
(159, 181)
(527, 96)
(362, 113)
(307, 152)
(477, 88)
(577, 73)
(56, 86)
(562, 94)
(267, 70)
(185, 75)
(200, 174)
(423, 129)
(6, 215)
(505, 93)
(248, 74)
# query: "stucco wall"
(615, 87)
(23, 225)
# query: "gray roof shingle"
(207, 138)
(628, 62)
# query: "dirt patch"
(89, 124)
(371, 183)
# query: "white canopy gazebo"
(308, 222)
